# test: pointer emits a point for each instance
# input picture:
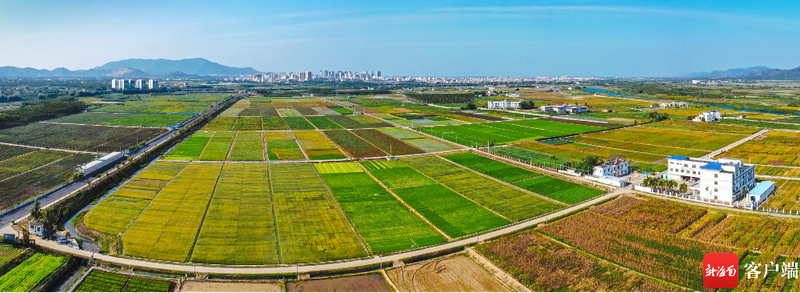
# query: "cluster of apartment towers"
(123, 84)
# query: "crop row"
(697, 140)
(77, 137)
(776, 148)
(28, 274)
(29, 184)
(419, 141)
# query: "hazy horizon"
(463, 38)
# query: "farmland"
(354, 145)
(115, 214)
(386, 143)
(369, 205)
(167, 228)
(238, 227)
(192, 148)
(450, 212)
(78, 137)
(8, 253)
(359, 283)
(322, 122)
(317, 146)
(102, 281)
(417, 140)
(506, 132)
(190, 103)
(775, 148)
(114, 119)
(787, 197)
(455, 273)
(298, 123)
(282, 146)
(309, 225)
(543, 264)
(218, 146)
(677, 259)
(248, 146)
(512, 203)
(25, 185)
(687, 139)
(560, 190)
(32, 271)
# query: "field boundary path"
(51, 149)
(292, 269)
(713, 154)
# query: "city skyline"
(607, 39)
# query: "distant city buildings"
(123, 84)
(323, 75)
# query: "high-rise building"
(139, 84)
(114, 83)
(152, 84)
(378, 73)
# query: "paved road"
(711, 155)
(288, 269)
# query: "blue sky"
(423, 38)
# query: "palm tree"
(684, 188)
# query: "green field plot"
(167, 229)
(239, 228)
(512, 203)
(343, 110)
(191, 148)
(387, 143)
(369, 122)
(281, 145)
(298, 123)
(346, 122)
(247, 123)
(149, 120)
(325, 111)
(220, 123)
(8, 253)
(306, 111)
(322, 122)
(453, 214)
(27, 275)
(193, 103)
(507, 131)
(291, 112)
(247, 147)
(499, 170)
(429, 145)
(696, 140)
(310, 226)
(369, 206)
(8, 152)
(353, 145)
(89, 118)
(634, 147)
(102, 281)
(26, 185)
(274, 123)
(78, 137)
(116, 213)
(317, 146)
(560, 190)
(24, 163)
(217, 148)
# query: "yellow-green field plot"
(116, 213)
(167, 228)
(239, 227)
(247, 147)
(282, 145)
(383, 221)
(218, 147)
(310, 226)
(318, 146)
(775, 148)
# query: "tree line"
(41, 110)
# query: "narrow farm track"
(53, 149)
(713, 154)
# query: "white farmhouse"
(553, 108)
(709, 116)
(723, 181)
(502, 105)
(616, 167)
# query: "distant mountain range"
(137, 68)
(757, 72)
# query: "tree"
(527, 105)
(684, 188)
(471, 106)
(36, 210)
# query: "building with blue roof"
(722, 181)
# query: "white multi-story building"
(139, 84)
(553, 108)
(709, 116)
(722, 181)
(120, 84)
(152, 84)
(512, 95)
(502, 105)
(616, 167)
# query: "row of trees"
(41, 110)
(664, 185)
(444, 98)
(527, 105)
(655, 116)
